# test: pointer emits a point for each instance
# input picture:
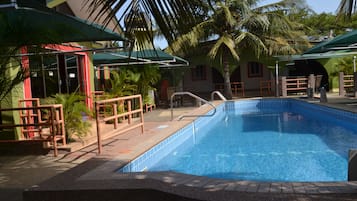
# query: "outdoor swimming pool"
(261, 140)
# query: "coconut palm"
(235, 23)
(346, 9)
(240, 24)
(141, 18)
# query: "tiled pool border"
(155, 153)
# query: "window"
(199, 73)
(255, 69)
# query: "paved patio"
(18, 172)
(81, 170)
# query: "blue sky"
(319, 6)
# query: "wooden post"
(129, 112)
(99, 140)
(341, 86)
(121, 105)
(53, 128)
(355, 84)
(115, 114)
(62, 125)
(277, 93)
(283, 87)
(141, 114)
(311, 83)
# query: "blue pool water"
(263, 140)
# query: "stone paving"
(83, 171)
(18, 172)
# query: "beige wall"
(200, 86)
(253, 83)
(207, 86)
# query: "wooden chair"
(237, 87)
(265, 87)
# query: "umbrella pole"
(354, 76)
(277, 78)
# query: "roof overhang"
(164, 60)
(325, 55)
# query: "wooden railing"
(29, 115)
(237, 88)
(346, 83)
(296, 85)
(38, 123)
(118, 109)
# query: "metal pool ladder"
(197, 98)
(218, 94)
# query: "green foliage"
(171, 18)
(8, 63)
(123, 83)
(239, 25)
(134, 80)
(345, 65)
(73, 111)
(149, 76)
(322, 25)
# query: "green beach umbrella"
(344, 41)
(29, 22)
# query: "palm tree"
(240, 24)
(171, 18)
(346, 9)
(235, 24)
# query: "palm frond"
(284, 5)
(172, 17)
(228, 17)
(225, 42)
(346, 8)
(192, 38)
(247, 39)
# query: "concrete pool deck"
(84, 175)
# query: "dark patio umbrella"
(32, 23)
(344, 41)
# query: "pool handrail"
(219, 94)
(194, 96)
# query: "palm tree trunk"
(227, 82)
